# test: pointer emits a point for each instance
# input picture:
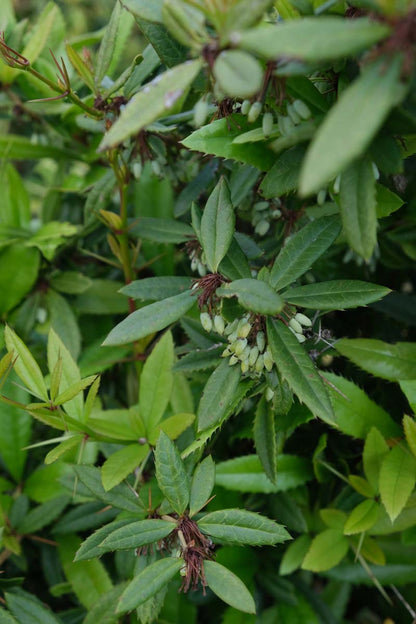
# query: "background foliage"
(207, 367)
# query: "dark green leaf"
(157, 288)
(237, 526)
(265, 439)
(91, 547)
(235, 265)
(14, 285)
(121, 496)
(162, 230)
(283, 176)
(387, 202)
(393, 362)
(43, 515)
(217, 225)
(228, 587)
(218, 395)
(335, 294)
(137, 534)
(171, 475)
(198, 360)
(202, 485)
(156, 383)
(29, 610)
(254, 295)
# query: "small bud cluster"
(263, 213)
(297, 112)
(198, 262)
(298, 324)
(245, 346)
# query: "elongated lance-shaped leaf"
(265, 439)
(237, 526)
(157, 288)
(25, 365)
(148, 582)
(90, 548)
(397, 480)
(171, 474)
(217, 225)
(108, 44)
(150, 319)
(26, 608)
(70, 377)
(121, 496)
(335, 294)
(254, 295)
(362, 517)
(313, 39)
(294, 365)
(375, 450)
(122, 463)
(218, 395)
(326, 551)
(157, 99)
(156, 381)
(357, 200)
(388, 361)
(344, 134)
(228, 587)
(202, 485)
(137, 534)
(306, 246)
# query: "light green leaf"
(313, 39)
(228, 587)
(362, 517)
(148, 582)
(202, 485)
(149, 11)
(71, 442)
(81, 67)
(156, 382)
(409, 389)
(25, 365)
(357, 202)
(333, 518)
(375, 450)
(295, 365)
(254, 295)
(15, 427)
(16, 147)
(150, 319)
(70, 374)
(326, 551)
(344, 135)
(218, 395)
(121, 463)
(335, 294)
(245, 474)
(41, 31)
(121, 496)
(301, 251)
(387, 202)
(388, 361)
(172, 426)
(156, 100)
(217, 225)
(89, 579)
(157, 288)
(237, 73)
(295, 554)
(137, 534)
(355, 412)
(28, 610)
(409, 426)
(237, 526)
(397, 480)
(362, 486)
(14, 285)
(171, 475)
(107, 46)
(265, 438)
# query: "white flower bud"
(296, 326)
(267, 124)
(376, 172)
(206, 321)
(156, 168)
(259, 364)
(300, 337)
(202, 270)
(303, 319)
(226, 352)
(337, 184)
(320, 199)
(268, 360)
(276, 214)
(231, 327)
(262, 205)
(302, 109)
(254, 112)
(245, 107)
(219, 324)
(243, 329)
(137, 170)
(293, 114)
(233, 360)
(269, 394)
(245, 354)
(261, 341)
(244, 367)
(232, 337)
(240, 345)
(262, 227)
(200, 113)
(184, 570)
(194, 264)
(254, 353)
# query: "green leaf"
(217, 138)
(150, 319)
(171, 475)
(91, 547)
(121, 496)
(102, 297)
(409, 390)
(16, 147)
(62, 320)
(335, 294)
(104, 610)
(121, 463)
(362, 517)
(218, 395)
(344, 135)
(326, 551)
(156, 100)
(355, 413)
(387, 202)
(375, 450)
(16, 284)
(234, 265)
(162, 230)
(294, 555)
(202, 485)
(228, 587)
(66, 445)
(237, 73)
(43, 515)
(137, 534)
(156, 382)
(245, 474)
(265, 439)
(409, 426)
(283, 176)
(148, 582)
(254, 295)
(70, 282)
(237, 526)
(301, 251)
(80, 66)
(28, 609)
(157, 288)
(7, 618)
(393, 362)
(150, 11)
(198, 360)
(107, 46)
(172, 426)
(295, 365)
(397, 480)
(41, 32)
(313, 39)
(15, 427)
(70, 374)
(89, 579)
(25, 365)
(357, 201)
(217, 225)
(362, 486)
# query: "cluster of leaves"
(180, 235)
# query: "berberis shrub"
(207, 231)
